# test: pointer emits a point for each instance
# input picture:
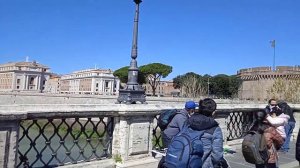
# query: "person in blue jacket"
(178, 122)
(213, 138)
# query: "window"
(97, 84)
(31, 80)
(18, 81)
(18, 87)
(106, 84)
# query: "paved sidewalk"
(286, 160)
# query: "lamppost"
(208, 86)
(133, 92)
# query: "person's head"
(207, 107)
(272, 103)
(276, 111)
(190, 107)
(285, 108)
(260, 115)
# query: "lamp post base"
(131, 96)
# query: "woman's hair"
(285, 108)
(207, 106)
(260, 116)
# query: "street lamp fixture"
(133, 92)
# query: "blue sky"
(201, 36)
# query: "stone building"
(90, 81)
(259, 83)
(164, 88)
(53, 84)
(23, 76)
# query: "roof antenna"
(27, 58)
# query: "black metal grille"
(157, 139)
(56, 142)
(238, 123)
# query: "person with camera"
(272, 105)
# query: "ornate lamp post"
(133, 92)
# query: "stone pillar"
(24, 82)
(132, 141)
(14, 82)
(117, 86)
(38, 83)
(9, 131)
(93, 86)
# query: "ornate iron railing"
(56, 142)
(238, 123)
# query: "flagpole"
(273, 45)
(274, 57)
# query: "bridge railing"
(55, 142)
(81, 135)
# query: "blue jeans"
(288, 130)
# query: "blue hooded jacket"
(212, 139)
(176, 124)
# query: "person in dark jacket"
(212, 139)
(298, 147)
(289, 127)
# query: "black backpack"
(254, 148)
(165, 118)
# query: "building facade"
(90, 81)
(164, 88)
(53, 84)
(23, 76)
(262, 83)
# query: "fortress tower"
(261, 83)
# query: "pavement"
(236, 160)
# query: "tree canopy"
(194, 85)
(122, 74)
(154, 72)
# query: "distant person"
(272, 137)
(212, 138)
(272, 104)
(289, 127)
(278, 119)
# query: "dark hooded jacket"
(212, 139)
(298, 147)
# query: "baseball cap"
(190, 105)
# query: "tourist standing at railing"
(272, 104)
(176, 125)
(212, 138)
(178, 122)
(273, 138)
(289, 127)
(278, 119)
